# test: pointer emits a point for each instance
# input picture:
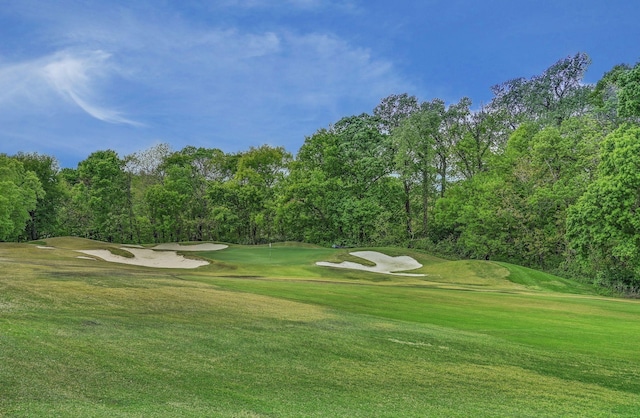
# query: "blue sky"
(81, 76)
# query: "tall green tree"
(247, 201)
(481, 216)
(341, 187)
(392, 112)
(19, 193)
(167, 205)
(74, 215)
(415, 141)
(432, 146)
(604, 97)
(393, 109)
(603, 226)
(554, 170)
(179, 206)
(104, 185)
(43, 220)
(629, 94)
(307, 201)
(477, 135)
(516, 209)
(202, 165)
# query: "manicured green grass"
(283, 261)
(265, 332)
(538, 280)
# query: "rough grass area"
(121, 252)
(270, 334)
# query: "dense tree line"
(547, 174)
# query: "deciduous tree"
(106, 188)
(549, 98)
(43, 220)
(19, 193)
(603, 225)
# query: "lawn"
(263, 332)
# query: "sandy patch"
(195, 247)
(86, 258)
(148, 258)
(42, 247)
(384, 263)
(416, 344)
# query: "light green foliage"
(604, 97)
(105, 187)
(178, 204)
(433, 145)
(561, 164)
(74, 214)
(629, 94)
(616, 97)
(165, 208)
(306, 209)
(483, 214)
(363, 152)
(445, 134)
(43, 220)
(19, 193)
(478, 135)
(603, 225)
(393, 112)
(340, 190)
(516, 210)
(250, 195)
(414, 164)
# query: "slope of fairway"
(286, 261)
(537, 280)
(235, 338)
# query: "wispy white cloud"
(19, 81)
(225, 72)
(202, 82)
(177, 60)
(71, 76)
(225, 45)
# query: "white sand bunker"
(149, 258)
(195, 247)
(384, 263)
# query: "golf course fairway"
(263, 331)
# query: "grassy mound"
(264, 332)
(121, 252)
(534, 279)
